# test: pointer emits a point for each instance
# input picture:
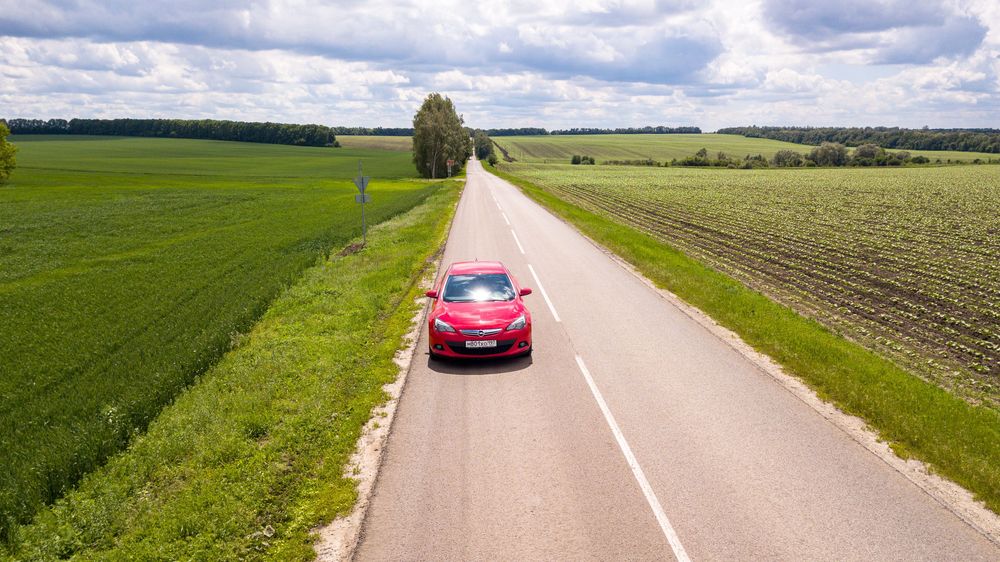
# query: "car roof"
(466, 267)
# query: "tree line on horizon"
(538, 131)
(963, 140)
(209, 129)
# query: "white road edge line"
(519, 246)
(647, 490)
(505, 218)
(545, 295)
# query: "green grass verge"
(250, 458)
(919, 419)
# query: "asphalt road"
(633, 432)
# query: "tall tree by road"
(438, 136)
(483, 145)
(7, 150)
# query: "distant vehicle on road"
(479, 312)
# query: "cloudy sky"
(710, 63)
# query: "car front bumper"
(510, 343)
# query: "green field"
(906, 261)
(399, 144)
(180, 157)
(129, 266)
(246, 462)
(664, 148)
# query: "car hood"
(480, 314)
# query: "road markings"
(505, 218)
(519, 246)
(647, 490)
(545, 295)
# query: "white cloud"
(519, 63)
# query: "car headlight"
(442, 326)
(517, 324)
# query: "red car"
(479, 312)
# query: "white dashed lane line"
(519, 246)
(545, 295)
(640, 476)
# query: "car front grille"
(481, 333)
(502, 346)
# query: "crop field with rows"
(663, 148)
(128, 266)
(398, 144)
(904, 261)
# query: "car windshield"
(479, 287)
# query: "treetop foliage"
(438, 136)
(211, 129)
(967, 140)
(7, 151)
(482, 144)
(517, 132)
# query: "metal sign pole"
(364, 227)
(362, 183)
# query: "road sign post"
(450, 164)
(362, 184)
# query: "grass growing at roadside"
(245, 462)
(959, 440)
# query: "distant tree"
(920, 159)
(492, 159)
(438, 136)
(7, 150)
(755, 161)
(703, 153)
(868, 151)
(483, 145)
(829, 154)
(788, 159)
(575, 159)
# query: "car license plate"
(481, 343)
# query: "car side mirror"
(525, 292)
(431, 294)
